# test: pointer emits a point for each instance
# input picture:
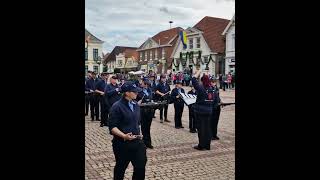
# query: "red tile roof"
(116, 51)
(131, 53)
(212, 29)
(167, 35)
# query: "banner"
(183, 37)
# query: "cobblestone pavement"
(173, 156)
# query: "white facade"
(193, 33)
(123, 63)
(111, 65)
(229, 32)
(90, 64)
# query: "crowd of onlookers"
(225, 81)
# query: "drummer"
(178, 104)
(145, 96)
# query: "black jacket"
(123, 118)
(111, 93)
(163, 89)
(174, 94)
(203, 93)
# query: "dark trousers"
(215, 120)
(224, 85)
(165, 107)
(192, 122)
(104, 118)
(87, 102)
(129, 151)
(187, 82)
(146, 120)
(94, 106)
(203, 122)
(104, 109)
(221, 84)
(178, 110)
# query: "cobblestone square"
(173, 156)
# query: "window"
(86, 69)
(95, 69)
(145, 56)
(151, 54)
(163, 53)
(233, 42)
(140, 56)
(198, 42)
(95, 54)
(190, 43)
(156, 54)
(120, 62)
(86, 54)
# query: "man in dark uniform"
(122, 81)
(178, 104)
(87, 93)
(112, 91)
(192, 122)
(94, 101)
(220, 81)
(162, 91)
(145, 96)
(203, 110)
(216, 109)
(101, 85)
(127, 142)
(153, 89)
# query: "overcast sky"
(131, 22)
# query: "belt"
(116, 138)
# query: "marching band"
(128, 106)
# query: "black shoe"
(154, 117)
(181, 127)
(92, 119)
(166, 120)
(198, 148)
(193, 131)
(149, 146)
(161, 120)
(177, 127)
(201, 148)
(215, 138)
(101, 125)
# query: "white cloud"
(130, 23)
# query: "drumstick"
(142, 97)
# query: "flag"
(183, 37)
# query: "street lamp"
(99, 62)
